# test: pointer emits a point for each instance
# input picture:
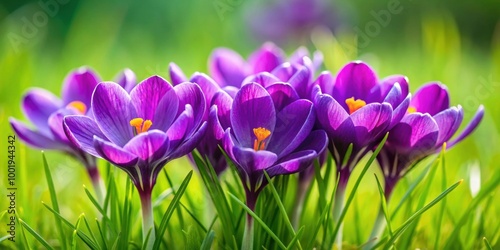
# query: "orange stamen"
(354, 105)
(411, 110)
(146, 125)
(79, 106)
(261, 134)
(140, 125)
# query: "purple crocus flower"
(429, 123)
(356, 109)
(140, 132)
(266, 129)
(297, 72)
(46, 112)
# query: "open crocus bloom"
(142, 131)
(266, 129)
(429, 123)
(356, 108)
(46, 112)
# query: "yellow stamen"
(261, 134)
(137, 124)
(79, 106)
(354, 105)
(140, 125)
(411, 110)
(146, 125)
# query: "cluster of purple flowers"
(268, 113)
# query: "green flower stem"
(248, 235)
(147, 220)
(337, 211)
(247, 243)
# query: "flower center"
(411, 110)
(79, 106)
(140, 125)
(354, 105)
(261, 134)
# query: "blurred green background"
(457, 43)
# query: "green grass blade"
(5, 237)
(35, 234)
(171, 208)
(416, 215)
(295, 239)
(487, 244)
(356, 185)
(53, 199)
(408, 238)
(207, 242)
(89, 229)
(259, 220)
(95, 203)
(103, 238)
(198, 222)
(443, 203)
(485, 192)
(324, 216)
(81, 234)
(383, 202)
(281, 207)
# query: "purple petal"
(301, 81)
(149, 146)
(325, 81)
(114, 154)
(285, 71)
(224, 102)
(154, 99)
(207, 85)
(381, 90)
(56, 124)
(79, 86)
(282, 95)
(431, 98)
(293, 163)
(227, 67)
(126, 79)
(317, 140)
(113, 111)
(191, 93)
(470, 127)
(176, 74)
(228, 143)
(330, 114)
(371, 121)
(264, 78)
(252, 108)
(416, 132)
(81, 130)
(356, 80)
(448, 122)
(317, 59)
(38, 105)
(293, 125)
(214, 124)
(34, 138)
(252, 161)
(231, 91)
(267, 58)
(181, 127)
(190, 143)
(400, 111)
